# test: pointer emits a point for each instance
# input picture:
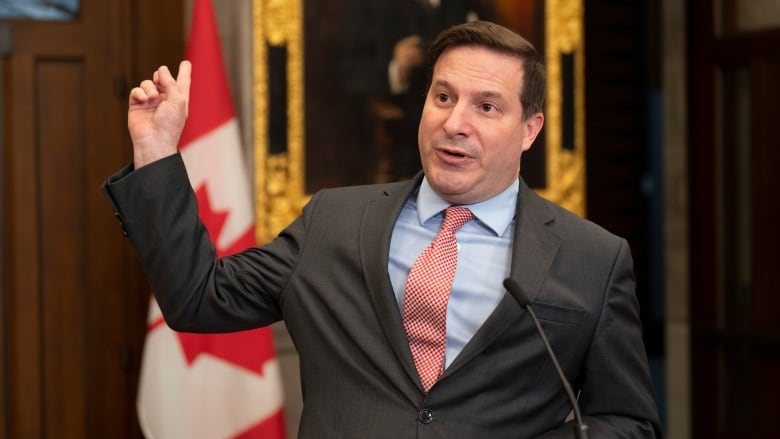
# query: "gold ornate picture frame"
(280, 170)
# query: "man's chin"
(453, 187)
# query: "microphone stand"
(581, 429)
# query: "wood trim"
(5, 51)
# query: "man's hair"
(500, 39)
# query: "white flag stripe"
(215, 159)
(154, 312)
(189, 401)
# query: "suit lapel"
(533, 249)
(535, 242)
(376, 230)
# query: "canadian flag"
(211, 385)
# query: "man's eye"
(488, 107)
(441, 97)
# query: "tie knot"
(455, 217)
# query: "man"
(345, 275)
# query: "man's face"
(472, 132)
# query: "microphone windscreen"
(516, 292)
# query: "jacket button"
(121, 223)
(425, 416)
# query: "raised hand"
(157, 112)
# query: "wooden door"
(73, 299)
(734, 90)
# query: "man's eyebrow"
(490, 94)
(485, 94)
(441, 83)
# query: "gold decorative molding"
(280, 178)
(565, 167)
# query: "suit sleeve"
(196, 291)
(616, 393)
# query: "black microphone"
(514, 289)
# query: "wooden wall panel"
(24, 301)
(60, 120)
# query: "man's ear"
(533, 126)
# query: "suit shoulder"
(574, 226)
(353, 195)
(366, 189)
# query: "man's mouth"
(454, 154)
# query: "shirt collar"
(496, 213)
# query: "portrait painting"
(340, 87)
(360, 126)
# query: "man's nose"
(459, 120)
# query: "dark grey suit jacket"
(326, 276)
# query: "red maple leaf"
(247, 349)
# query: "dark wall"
(622, 140)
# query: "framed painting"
(323, 115)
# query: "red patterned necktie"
(426, 295)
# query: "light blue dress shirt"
(484, 253)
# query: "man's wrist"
(143, 158)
